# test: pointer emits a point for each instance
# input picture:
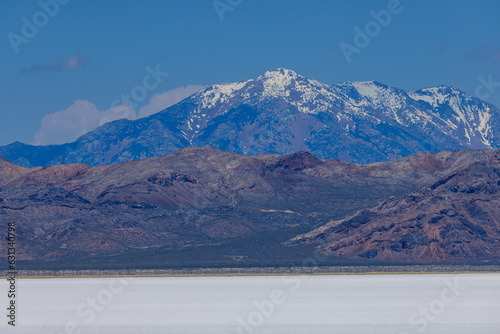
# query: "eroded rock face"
(457, 217)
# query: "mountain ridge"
(283, 112)
(224, 203)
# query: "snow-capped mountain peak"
(284, 112)
(278, 83)
(275, 83)
(307, 95)
(284, 83)
(279, 74)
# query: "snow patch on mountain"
(469, 114)
(219, 94)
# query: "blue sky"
(61, 80)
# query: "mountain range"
(266, 172)
(282, 112)
(205, 207)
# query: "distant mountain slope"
(10, 172)
(282, 112)
(241, 205)
(458, 217)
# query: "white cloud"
(164, 100)
(81, 117)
